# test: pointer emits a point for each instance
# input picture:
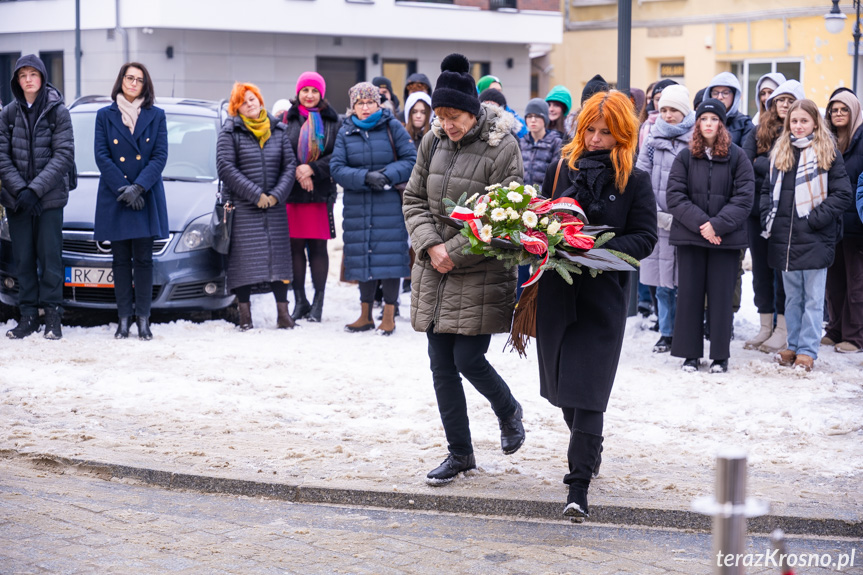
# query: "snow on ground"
(319, 406)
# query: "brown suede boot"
(388, 323)
(245, 316)
(364, 322)
(283, 320)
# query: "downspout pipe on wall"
(121, 31)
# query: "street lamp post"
(835, 22)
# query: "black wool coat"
(761, 167)
(808, 243)
(579, 327)
(325, 188)
(720, 191)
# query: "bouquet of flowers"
(518, 226)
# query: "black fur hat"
(455, 86)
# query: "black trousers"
(37, 243)
(390, 288)
(451, 356)
(133, 258)
(766, 282)
(711, 272)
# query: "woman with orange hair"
(579, 327)
(257, 165)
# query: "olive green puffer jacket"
(478, 295)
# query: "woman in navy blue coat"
(373, 153)
(131, 147)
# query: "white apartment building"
(198, 48)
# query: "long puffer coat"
(260, 242)
(478, 295)
(374, 230)
(538, 155)
(656, 158)
(718, 190)
(580, 327)
(852, 227)
(51, 149)
(808, 243)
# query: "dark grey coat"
(260, 242)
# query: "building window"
(398, 71)
(54, 64)
(752, 70)
(7, 67)
(505, 5)
(480, 69)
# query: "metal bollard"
(729, 509)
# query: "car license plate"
(90, 277)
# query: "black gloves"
(29, 202)
(131, 195)
(376, 181)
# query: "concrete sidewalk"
(511, 503)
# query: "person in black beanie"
(711, 188)
(459, 300)
(494, 96)
(652, 109)
(699, 97)
(593, 86)
(387, 94)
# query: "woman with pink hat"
(312, 129)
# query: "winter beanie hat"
(487, 81)
(594, 85)
(493, 95)
(364, 91)
(455, 86)
(676, 97)
(699, 97)
(561, 95)
(539, 107)
(713, 106)
(660, 86)
(313, 80)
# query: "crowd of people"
(688, 185)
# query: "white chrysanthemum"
(479, 210)
(529, 218)
(498, 215)
(553, 227)
(530, 191)
(472, 199)
(514, 185)
(485, 233)
(513, 215)
(494, 203)
(514, 197)
(492, 187)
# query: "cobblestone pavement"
(75, 522)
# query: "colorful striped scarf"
(311, 143)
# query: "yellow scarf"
(260, 127)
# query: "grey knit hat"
(539, 107)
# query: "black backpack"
(72, 176)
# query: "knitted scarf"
(810, 183)
(662, 129)
(594, 171)
(259, 126)
(369, 122)
(129, 111)
(311, 142)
